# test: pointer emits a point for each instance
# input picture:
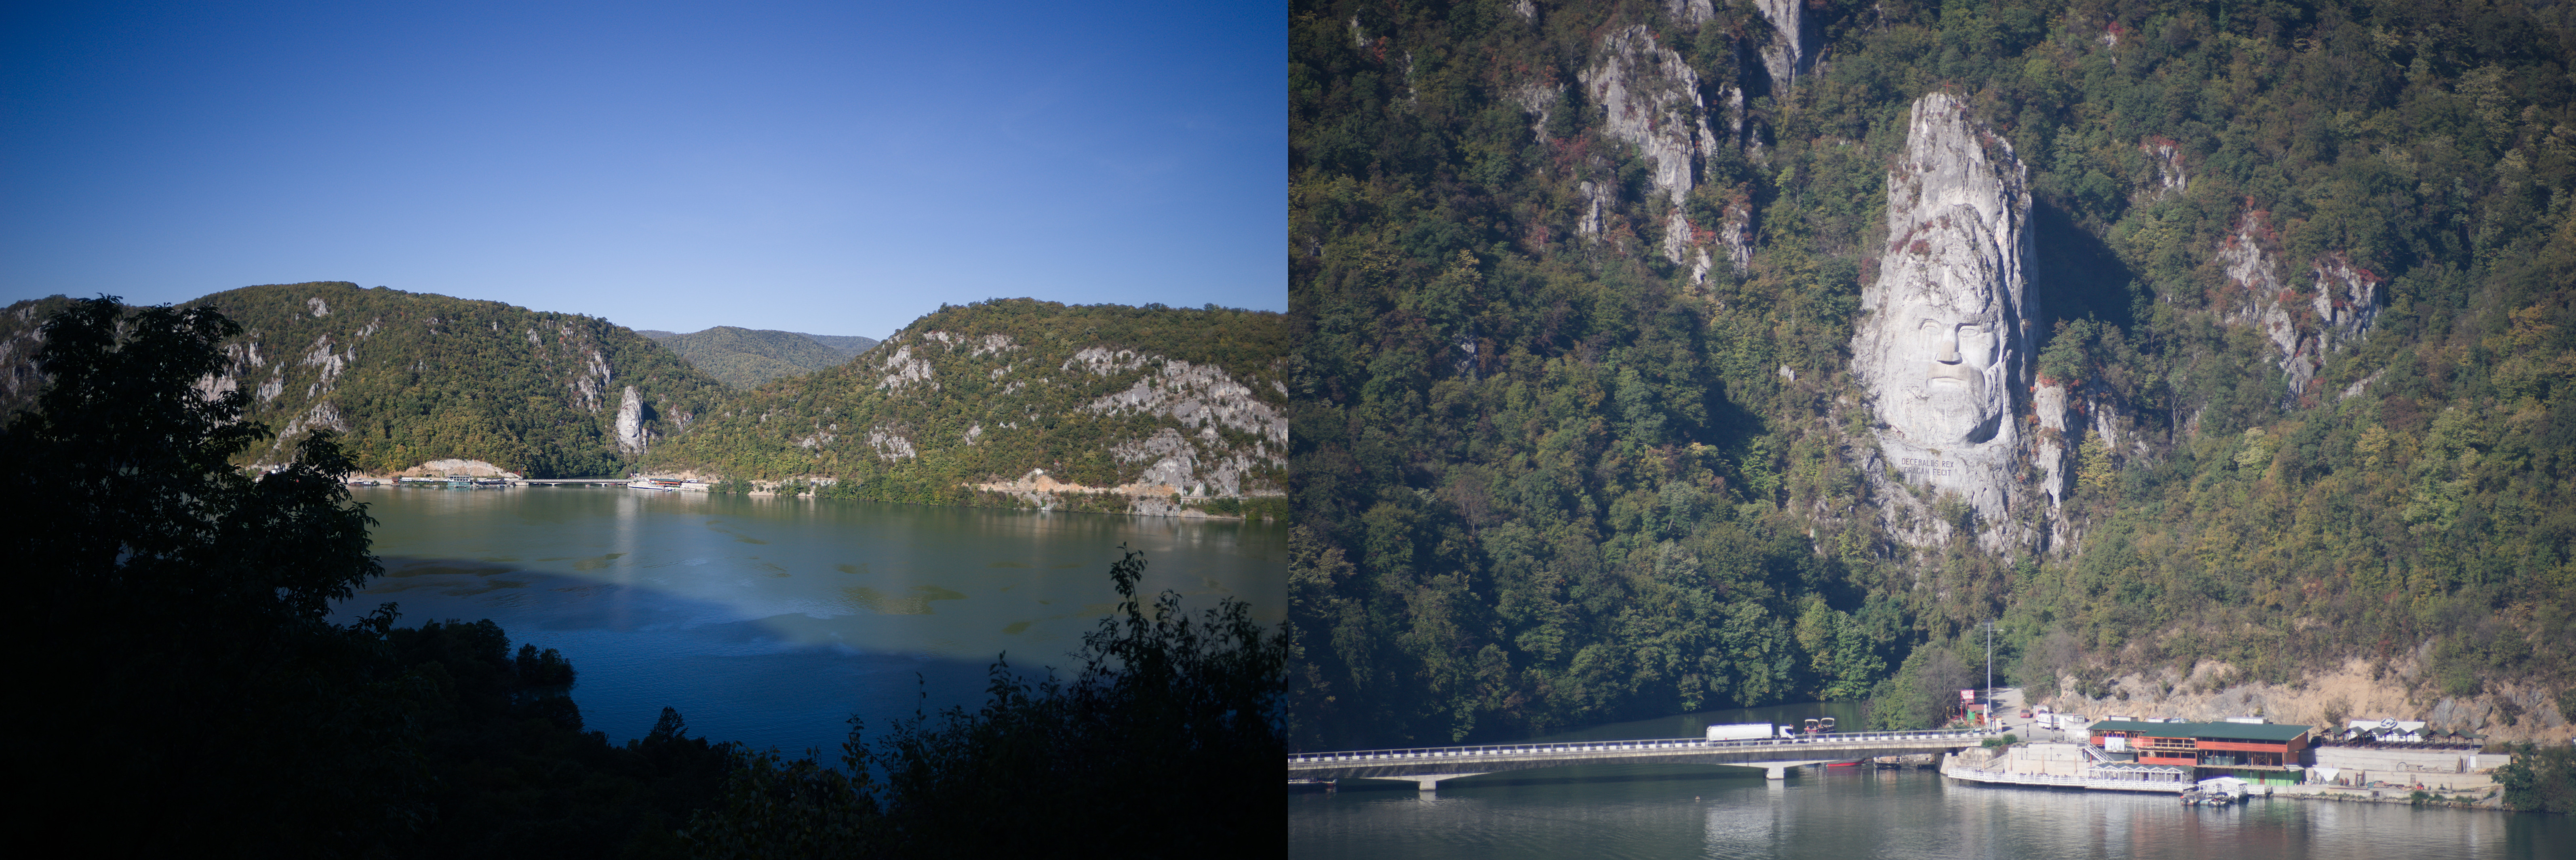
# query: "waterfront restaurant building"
(2208, 746)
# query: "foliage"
(178, 643)
(990, 391)
(1145, 752)
(2540, 778)
(512, 771)
(175, 626)
(1550, 479)
(404, 378)
(744, 358)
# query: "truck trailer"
(1742, 732)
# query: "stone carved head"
(1942, 336)
(1947, 341)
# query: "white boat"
(648, 484)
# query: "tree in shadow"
(1168, 740)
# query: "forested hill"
(743, 357)
(1101, 396)
(407, 378)
(1577, 436)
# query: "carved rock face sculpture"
(1943, 345)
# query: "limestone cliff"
(1651, 99)
(1944, 344)
(1785, 55)
(630, 423)
(2336, 307)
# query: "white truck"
(1742, 732)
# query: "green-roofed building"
(2224, 746)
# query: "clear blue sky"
(833, 168)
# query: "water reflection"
(1844, 812)
(765, 620)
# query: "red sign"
(1967, 695)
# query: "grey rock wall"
(1651, 99)
(1944, 346)
(2337, 308)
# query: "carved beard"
(1962, 404)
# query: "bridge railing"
(1676, 744)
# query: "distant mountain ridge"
(744, 358)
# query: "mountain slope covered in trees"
(405, 378)
(1156, 400)
(743, 357)
(1576, 435)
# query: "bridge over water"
(1429, 765)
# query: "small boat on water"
(655, 484)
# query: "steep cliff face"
(2336, 307)
(1785, 55)
(1651, 99)
(1944, 343)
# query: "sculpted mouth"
(1959, 373)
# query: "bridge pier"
(1777, 771)
(1432, 783)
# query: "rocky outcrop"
(901, 369)
(2165, 174)
(890, 446)
(1060, 396)
(2303, 327)
(1945, 342)
(1785, 56)
(2213, 690)
(1651, 99)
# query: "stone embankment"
(2400, 689)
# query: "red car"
(2025, 713)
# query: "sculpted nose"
(1949, 346)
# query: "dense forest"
(744, 358)
(404, 378)
(1128, 409)
(1577, 438)
(182, 649)
(1190, 400)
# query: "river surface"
(771, 621)
(1833, 813)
